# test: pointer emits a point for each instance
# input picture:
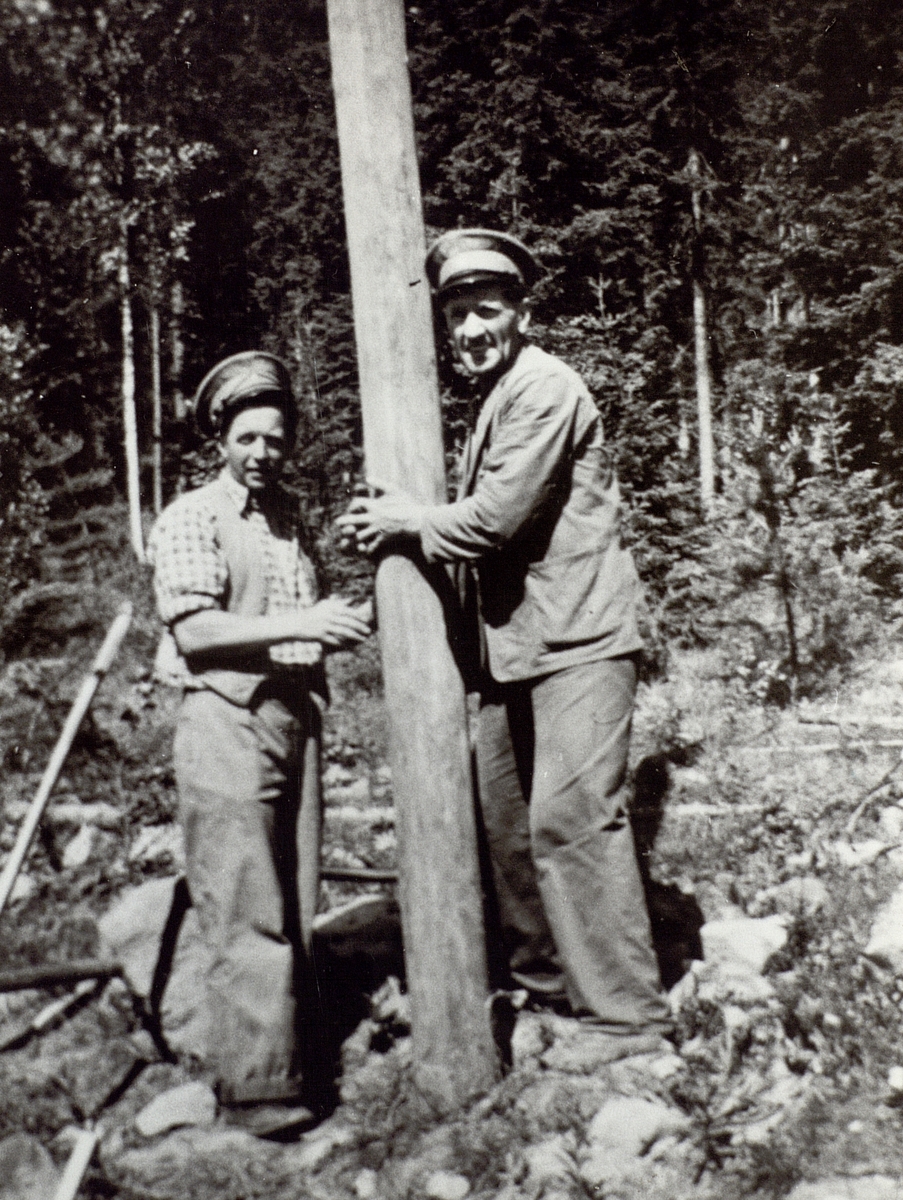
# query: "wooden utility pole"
(441, 906)
(701, 346)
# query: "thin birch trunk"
(157, 408)
(701, 349)
(130, 420)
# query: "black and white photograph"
(451, 600)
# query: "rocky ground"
(773, 842)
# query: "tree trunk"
(130, 422)
(157, 407)
(454, 1054)
(177, 349)
(703, 399)
(701, 348)
(176, 366)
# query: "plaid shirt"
(191, 573)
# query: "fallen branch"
(81, 1155)
(869, 796)
(50, 974)
(102, 663)
(49, 1015)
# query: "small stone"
(529, 1039)
(690, 781)
(446, 1185)
(858, 854)
(550, 1162)
(803, 896)
(26, 1169)
(75, 813)
(891, 822)
(895, 1080)
(79, 849)
(365, 1182)
(191, 1104)
(666, 1066)
(23, 889)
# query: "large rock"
(629, 1125)
(191, 1104)
(27, 1172)
(132, 932)
(885, 944)
(743, 944)
(622, 1130)
(801, 896)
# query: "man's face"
(487, 329)
(254, 447)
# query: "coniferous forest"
(714, 189)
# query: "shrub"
(22, 504)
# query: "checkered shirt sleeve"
(291, 579)
(190, 572)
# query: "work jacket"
(537, 516)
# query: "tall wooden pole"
(441, 907)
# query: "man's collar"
(244, 500)
(237, 492)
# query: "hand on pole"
(373, 521)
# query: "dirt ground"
(771, 841)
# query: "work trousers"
(250, 806)
(551, 768)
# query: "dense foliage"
(197, 143)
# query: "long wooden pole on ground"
(441, 907)
(80, 706)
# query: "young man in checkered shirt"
(246, 634)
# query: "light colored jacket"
(537, 513)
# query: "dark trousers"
(249, 796)
(551, 767)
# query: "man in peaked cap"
(535, 526)
(246, 634)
